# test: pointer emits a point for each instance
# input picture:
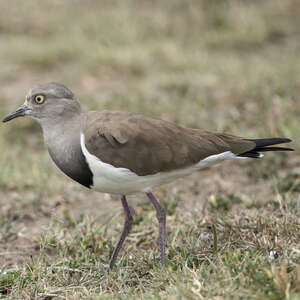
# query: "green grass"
(73, 258)
(229, 66)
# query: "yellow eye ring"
(39, 99)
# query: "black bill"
(19, 112)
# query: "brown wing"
(147, 145)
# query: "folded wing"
(148, 146)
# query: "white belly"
(112, 180)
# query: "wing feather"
(147, 145)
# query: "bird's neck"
(63, 143)
(64, 130)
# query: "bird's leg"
(161, 217)
(126, 229)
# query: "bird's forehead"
(34, 91)
(52, 89)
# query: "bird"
(126, 153)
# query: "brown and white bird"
(126, 153)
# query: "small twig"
(215, 244)
(48, 295)
(8, 253)
(67, 269)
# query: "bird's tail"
(262, 145)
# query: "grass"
(233, 231)
(227, 255)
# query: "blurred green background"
(231, 66)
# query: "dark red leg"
(161, 217)
(126, 229)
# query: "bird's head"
(47, 103)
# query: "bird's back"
(148, 145)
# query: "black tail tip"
(269, 141)
(285, 140)
(263, 145)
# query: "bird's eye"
(39, 99)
